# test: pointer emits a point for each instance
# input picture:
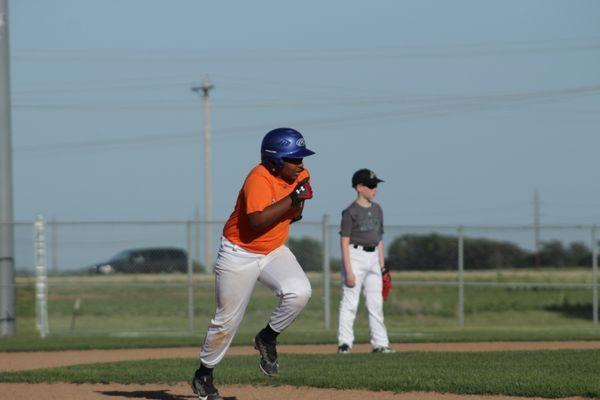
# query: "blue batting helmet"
(282, 143)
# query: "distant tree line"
(308, 252)
(440, 252)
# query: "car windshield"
(124, 255)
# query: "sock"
(203, 371)
(268, 334)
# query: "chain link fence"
(152, 276)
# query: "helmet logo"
(300, 142)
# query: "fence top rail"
(398, 282)
(120, 222)
(333, 226)
(490, 227)
(492, 284)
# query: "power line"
(335, 54)
(483, 100)
(104, 87)
(108, 142)
(428, 110)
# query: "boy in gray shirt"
(363, 264)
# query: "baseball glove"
(387, 282)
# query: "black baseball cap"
(366, 177)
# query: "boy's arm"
(380, 244)
(346, 264)
(380, 251)
(274, 212)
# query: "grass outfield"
(150, 310)
(558, 373)
(293, 336)
(159, 302)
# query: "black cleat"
(343, 349)
(268, 356)
(203, 387)
(383, 349)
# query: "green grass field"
(291, 336)
(151, 311)
(116, 309)
(541, 373)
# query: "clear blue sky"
(463, 107)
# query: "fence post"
(461, 281)
(54, 245)
(41, 278)
(190, 276)
(594, 275)
(326, 273)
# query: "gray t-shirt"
(363, 225)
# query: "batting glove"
(301, 192)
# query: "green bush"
(308, 252)
(440, 252)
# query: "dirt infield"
(181, 391)
(32, 360)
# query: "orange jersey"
(260, 190)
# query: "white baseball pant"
(367, 271)
(236, 273)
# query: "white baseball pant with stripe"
(236, 273)
(367, 271)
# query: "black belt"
(369, 249)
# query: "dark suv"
(145, 260)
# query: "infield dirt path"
(181, 391)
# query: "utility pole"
(536, 226)
(7, 261)
(204, 91)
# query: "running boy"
(252, 249)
